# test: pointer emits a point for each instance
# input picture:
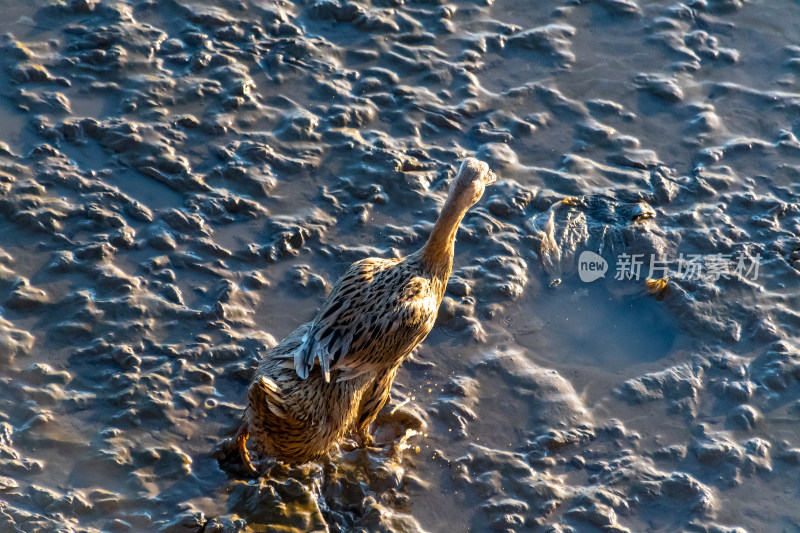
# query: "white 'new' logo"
(591, 266)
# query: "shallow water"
(181, 183)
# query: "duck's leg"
(363, 438)
(241, 443)
(371, 403)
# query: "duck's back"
(374, 316)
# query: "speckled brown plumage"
(333, 375)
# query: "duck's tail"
(265, 393)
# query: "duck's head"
(470, 182)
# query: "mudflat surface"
(182, 182)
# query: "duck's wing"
(356, 307)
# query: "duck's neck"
(437, 254)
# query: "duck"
(332, 375)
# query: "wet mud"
(182, 182)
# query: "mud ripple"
(180, 184)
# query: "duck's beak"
(491, 177)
